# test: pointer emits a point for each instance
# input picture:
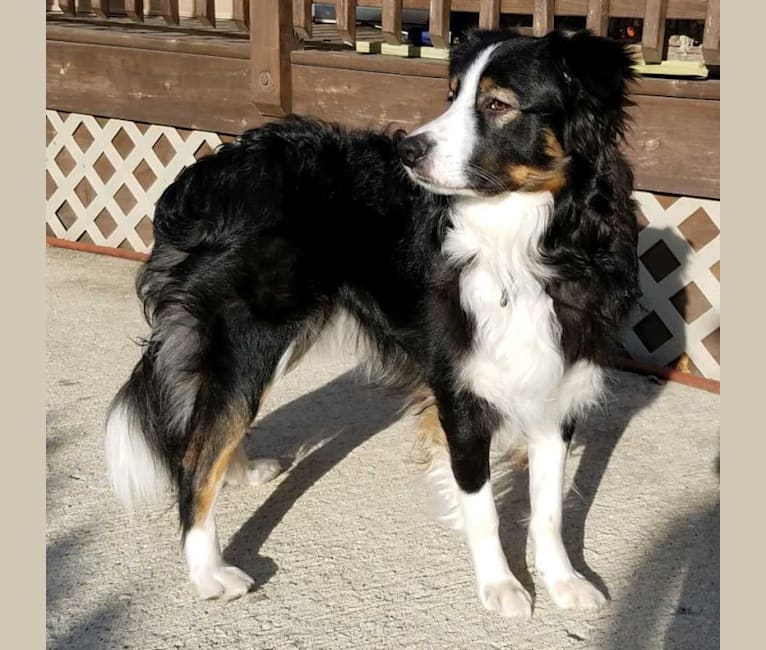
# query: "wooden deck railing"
(275, 24)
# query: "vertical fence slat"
(68, 6)
(597, 19)
(489, 14)
(242, 14)
(542, 17)
(100, 8)
(271, 41)
(345, 16)
(204, 10)
(392, 21)
(653, 40)
(438, 22)
(169, 11)
(302, 17)
(135, 10)
(711, 38)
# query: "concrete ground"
(342, 546)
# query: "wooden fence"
(275, 25)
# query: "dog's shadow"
(315, 432)
(310, 435)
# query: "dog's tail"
(149, 421)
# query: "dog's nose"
(413, 149)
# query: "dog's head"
(520, 108)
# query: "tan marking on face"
(539, 179)
(487, 85)
(453, 84)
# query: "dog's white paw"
(576, 593)
(262, 471)
(253, 472)
(225, 581)
(507, 598)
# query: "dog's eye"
(498, 106)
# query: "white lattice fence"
(105, 175)
(680, 253)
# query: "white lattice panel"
(687, 231)
(121, 196)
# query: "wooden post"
(68, 6)
(302, 17)
(438, 22)
(597, 19)
(135, 10)
(653, 40)
(242, 14)
(169, 10)
(100, 8)
(204, 10)
(392, 21)
(542, 17)
(711, 38)
(489, 14)
(345, 19)
(271, 41)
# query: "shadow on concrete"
(690, 546)
(326, 425)
(596, 438)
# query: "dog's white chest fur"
(515, 361)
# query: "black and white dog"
(488, 259)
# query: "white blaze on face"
(453, 133)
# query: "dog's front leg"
(568, 589)
(469, 423)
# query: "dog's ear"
(596, 65)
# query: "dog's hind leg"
(204, 466)
(228, 402)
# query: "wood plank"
(169, 11)
(711, 39)
(345, 18)
(653, 40)
(674, 145)
(149, 39)
(681, 9)
(68, 6)
(241, 14)
(367, 99)
(438, 22)
(100, 8)
(184, 90)
(204, 11)
(542, 17)
(597, 18)
(135, 10)
(489, 14)
(271, 39)
(391, 20)
(302, 20)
